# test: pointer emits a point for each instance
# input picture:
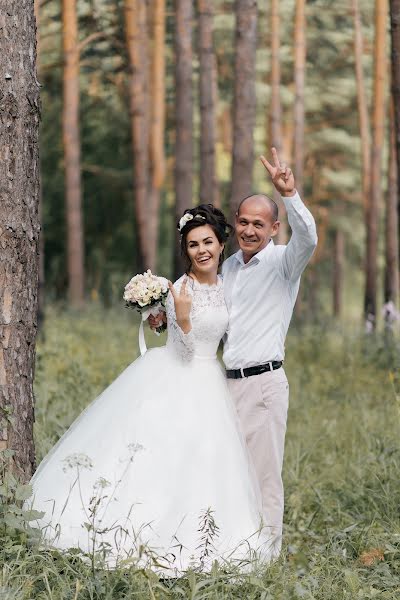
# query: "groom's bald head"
(255, 224)
(261, 203)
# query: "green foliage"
(342, 535)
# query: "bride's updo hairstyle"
(204, 214)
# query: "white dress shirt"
(261, 294)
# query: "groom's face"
(255, 225)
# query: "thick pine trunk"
(137, 45)
(364, 124)
(157, 152)
(244, 104)
(338, 268)
(19, 230)
(395, 63)
(299, 80)
(184, 117)
(208, 178)
(378, 133)
(72, 155)
(41, 239)
(391, 230)
(275, 120)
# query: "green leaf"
(32, 515)
(23, 492)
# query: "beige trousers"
(262, 403)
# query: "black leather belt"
(257, 370)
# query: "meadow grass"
(341, 472)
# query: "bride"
(156, 465)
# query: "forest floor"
(341, 472)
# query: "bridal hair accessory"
(147, 293)
(188, 217)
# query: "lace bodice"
(209, 319)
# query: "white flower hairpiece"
(185, 219)
(188, 217)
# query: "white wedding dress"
(155, 461)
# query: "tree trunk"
(184, 117)
(72, 155)
(276, 108)
(391, 231)
(157, 153)
(41, 239)
(244, 103)
(19, 231)
(299, 79)
(338, 273)
(395, 63)
(362, 107)
(378, 134)
(136, 41)
(208, 179)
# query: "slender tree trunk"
(41, 239)
(72, 155)
(136, 40)
(362, 106)
(395, 63)
(338, 273)
(391, 230)
(378, 124)
(19, 230)
(157, 153)
(299, 80)
(184, 116)
(244, 104)
(276, 107)
(208, 179)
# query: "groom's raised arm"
(304, 239)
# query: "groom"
(261, 282)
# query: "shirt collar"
(257, 257)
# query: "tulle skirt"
(155, 469)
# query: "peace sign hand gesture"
(282, 177)
(183, 305)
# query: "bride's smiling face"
(203, 249)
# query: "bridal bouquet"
(147, 294)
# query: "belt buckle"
(271, 368)
(242, 372)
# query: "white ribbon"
(153, 310)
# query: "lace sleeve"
(183, 343)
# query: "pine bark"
(19, 230)
(275, 120)
(157, 129)
(338, 268)
(391, 228)
(244, 104)
(364, 124)
(41, 295)
(72, 155)
(136, 40)
(208, 178)
(378, 133)
(184, 117)
(299, 82)
(395, 70)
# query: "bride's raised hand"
(183, 305)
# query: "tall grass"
(342, 460)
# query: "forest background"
(112, 204)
